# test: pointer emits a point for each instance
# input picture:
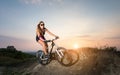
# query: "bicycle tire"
(42, 62)
(65, 60)
(74, 56)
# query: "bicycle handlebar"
(51, 40)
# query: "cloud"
(116, 37)
(50, 2)
(31, 1)
(58, 0)
(84, 36)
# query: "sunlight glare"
(76, 46)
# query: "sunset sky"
(85, 23)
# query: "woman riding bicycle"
(40, 32)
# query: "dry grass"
(92, 61)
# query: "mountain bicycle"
(65, 57)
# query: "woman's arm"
(51, 33)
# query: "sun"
(76, 46)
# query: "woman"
(40, 32)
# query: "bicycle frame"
(63, 56)
(60, 53)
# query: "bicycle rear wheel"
(65, 58)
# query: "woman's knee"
(42, 43)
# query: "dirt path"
(95, 63)
(54, 68)
(92, 65)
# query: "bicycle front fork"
(60, 53)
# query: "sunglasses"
(42, 24)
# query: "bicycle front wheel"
(74, 56)
(41, 58)
(63, 57)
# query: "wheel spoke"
(65, 60)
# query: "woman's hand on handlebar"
(56, 37)
(51, 40)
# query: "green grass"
(13, 57)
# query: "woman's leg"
(44, 46)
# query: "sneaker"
(47, 56)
